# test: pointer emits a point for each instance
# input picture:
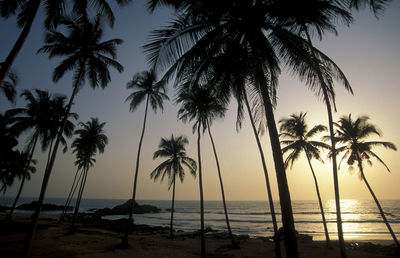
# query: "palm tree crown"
(353, 133)
(296, 136)
(174, 150)
(91, 139)
(200, 105)
(145, 85)
(8, 86)
(85, 52)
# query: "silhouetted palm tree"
(296, 139)
(267, 182)
(174, 150)
(12, 161)
(8, 86)
(200, 104)
(88, 56)
(90, 141)
(146, 88)
(42, 115)
(318, 71)
(353, 133)
(54, 10)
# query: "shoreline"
(53, 240)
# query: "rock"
(124, 208)
(45, 207)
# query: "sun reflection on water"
(350, 211)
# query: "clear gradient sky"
(368, 52)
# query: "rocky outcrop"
(45, 207)
(124, 208)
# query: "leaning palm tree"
(296, 139)
(90, 140)
(41, 116)
(88, 56)
(146, 88)
(26, 11)
(353, 134)
(8, 86)
(200, 104)
(174, 150)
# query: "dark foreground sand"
(53, 240)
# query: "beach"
(54, 239)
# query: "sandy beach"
(54, 240)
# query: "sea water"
(361, 218)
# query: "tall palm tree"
(200, 104)
(26, 11)
(353, 133)
(146, 88)
(319, 16)
(90, 140)
(8, 86)
(296, 139)
(88, 56)
(174, 150)
(42, 115)
(267, 182)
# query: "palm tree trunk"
(49, 154)
(270, 200)
(130, 219)
(290, 239)
(70, 194)
(79, 198)
(172, 209)
(23, 178)
(234, 244)
(333, 151)
(202, 237)
(377, 203)
(6, 65)
(319, 199)
(36, 214)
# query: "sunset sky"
(368, 52)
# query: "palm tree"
(87, 56)
(146, 88)
(41, 115)
(12, 162)
(268, 185)
(8, 86)
(55, 9)
(294, 131)
(200, 104)
(14, 167)
(174, 150)
(353, 134)
(90, 140)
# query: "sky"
(368, 52)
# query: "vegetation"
(87, 56)
(26, 11)
(146, 88)
(174, 150)
(297, 139)
(213, 52)
(42, 116)
(353, 133)
(90, 140)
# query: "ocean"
(361, 218)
